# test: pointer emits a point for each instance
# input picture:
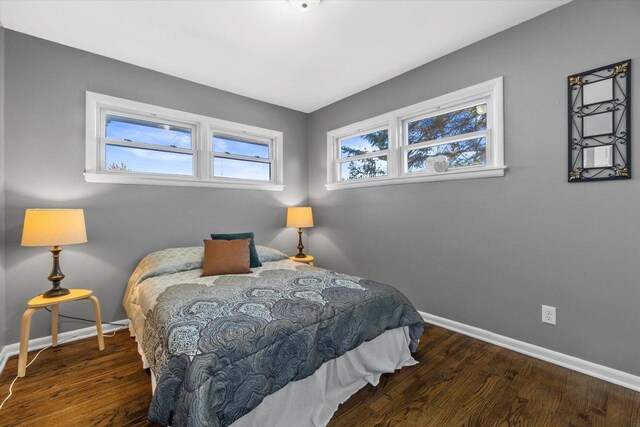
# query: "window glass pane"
(243, 169)
(225, 144)
(147, 132)
(471, 152)
(128, 159)
(362, 144)
(363, 168)
(458, 122)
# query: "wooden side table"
(307, 260)
(40, 302)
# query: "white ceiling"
(267, 50)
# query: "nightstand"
(307, 260)
(40, 302)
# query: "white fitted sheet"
(312, 401)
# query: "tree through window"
(367, 149)
(454, 136)
(454, 124)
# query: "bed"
(283, 345)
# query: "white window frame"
(489, 92)
(103, 141)
(243, 137)
(364, 131)
(99, 105)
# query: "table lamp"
(300, 217)
(54, 227)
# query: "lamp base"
(56, 292)
(300, 245)
(56, 276)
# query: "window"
(138, 145)
(459, 135)
(455, 136)
(364, 156)
(241, 157)
(134, 143)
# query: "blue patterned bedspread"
(219, 349)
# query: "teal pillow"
(254, 260)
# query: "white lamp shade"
(301, 217)
(53, 227)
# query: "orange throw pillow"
(226, 257)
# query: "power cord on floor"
(43, 349)
(84, 320)
(16, 378)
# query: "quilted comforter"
(219, 345)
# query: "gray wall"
(2, 275)
(485, 252)
(489, 252)
(45, 124)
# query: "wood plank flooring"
(460, 381)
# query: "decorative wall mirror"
(600, 123)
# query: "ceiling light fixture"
(304, 5)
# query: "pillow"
(267, 254)
(160, 263)
(226, 257)
(254, 260)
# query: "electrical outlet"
(548, 314)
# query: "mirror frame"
(619, 105)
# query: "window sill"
(491, 172)
(108, 178)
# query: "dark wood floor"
(460, 381)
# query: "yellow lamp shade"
(53, 227)
(301, 217)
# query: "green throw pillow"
(254, 260)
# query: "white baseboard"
(611, 375)
(64, 337)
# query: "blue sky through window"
(243, 169)
(360, 144)
(223, 144)
(128, 159)
(147, 132)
